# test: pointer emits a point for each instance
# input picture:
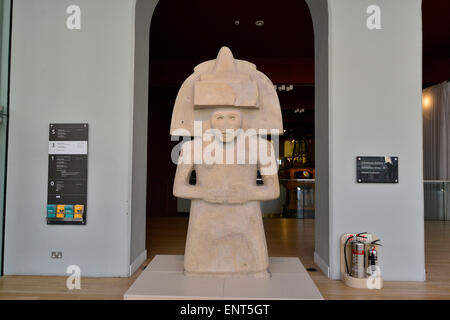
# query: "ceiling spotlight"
(259, 23)
(236, 22)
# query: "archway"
(283, 59)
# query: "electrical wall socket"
(56, 254)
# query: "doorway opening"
(279, 39)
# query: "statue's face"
(226, 119)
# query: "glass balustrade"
(5, 16)
(437, 199)
(297, 200)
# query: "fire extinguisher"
(358, 251)
(372, 258)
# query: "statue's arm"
(269, 191)
(181, 186)
(269, 172)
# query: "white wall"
(370, 105)
(59, 75)
(375, 110)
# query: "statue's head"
(247, 96)
(225, 123)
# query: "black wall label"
(377, 169)
(67, 173)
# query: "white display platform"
(164, 279)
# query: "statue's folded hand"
(237, 194)
(214, 196)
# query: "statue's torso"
(240, 168)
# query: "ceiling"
(436, 27)
(196, 29)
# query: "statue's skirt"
(225, 239)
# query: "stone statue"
(227, 106)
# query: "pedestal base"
(366, 283)
(259, 275)
(164, 279)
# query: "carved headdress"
(231, 83)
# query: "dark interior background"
(186, 33)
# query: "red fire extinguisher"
(358, 269)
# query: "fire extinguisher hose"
(345, 252)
